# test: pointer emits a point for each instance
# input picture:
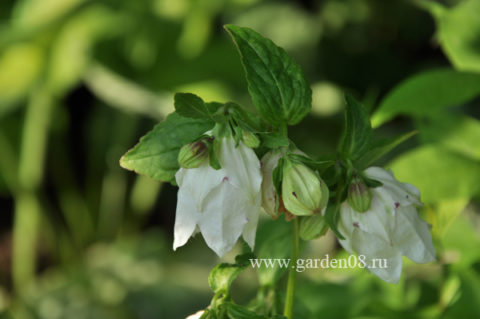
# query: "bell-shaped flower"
(222, 204)
(389, 228)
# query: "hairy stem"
(292, 275)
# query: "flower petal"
(224, 217)
(412, 236)
(375, 249)
(241, 166)
(198, 182)
(402, 193)
(250, 228)
(185, 219)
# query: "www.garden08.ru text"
(302, 264)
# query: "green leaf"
(274, 241)
(457, 31)
(277, 175)
(222, 276)
(21, 65)
(276, 84)
(357, 132)
(190, 105)
(320, 165)
(427, 93)
(381, 147)
(273, 140)
(331, 217)
(235, 311)
(439, 173)
(156, 153)
(456, 132)
(213, 151)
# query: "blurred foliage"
(81, 80)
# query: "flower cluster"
(231, 163)
(224, 204)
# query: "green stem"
(284, 129)
(292, 275)
(30, 175)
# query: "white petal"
(198, 182)
(250, 228)
(346, 225)
(378, 220)
(412, 236)
(224, 217)
(402, 193)
(196, 315)
(375, 250)
(241, 165)
(185, 219)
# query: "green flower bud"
(250, 139)
(194, 154)
(312, 227)
(359, 195)
(303, 192)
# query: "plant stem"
(292, 275)
(30, 175)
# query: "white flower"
(196, 315)
(222, 204)
(389, 229)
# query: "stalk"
(30, 174)
(292, 275)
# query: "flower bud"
(304, 192)
(359, 195)
(250, 139)
(194, 154)
(312, 227)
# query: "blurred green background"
(81, 81)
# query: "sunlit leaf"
(427, 93)
(20, 65)
(458, 133)
(439, 173)
(458, 30)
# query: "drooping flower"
(222, 204)
(390, 228)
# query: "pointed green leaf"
(331, 217)
(357, 132)
(190, 105)
(381, 147)
(276, 84)
(156, 153)
(273, 140)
